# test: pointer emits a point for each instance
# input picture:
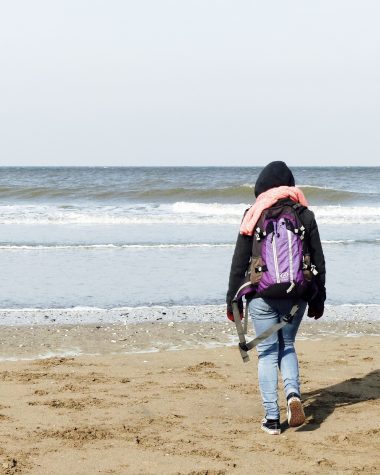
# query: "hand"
(315, 311)
(230, 315)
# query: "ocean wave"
(325, 195)
(233, 193)
(175, 213)
(338, 215)
(154, 246)
(347, 242)
(79, 247)
(208, 209)
(239, 192)
(106, 193)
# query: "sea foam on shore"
(197, 313)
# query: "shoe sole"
(271, 431)
(296, 416)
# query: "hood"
(273, 175)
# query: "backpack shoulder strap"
(298, 207)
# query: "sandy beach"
(194, 411)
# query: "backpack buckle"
(262, 268)
(300, 232)
(260, 234)
(289, 317)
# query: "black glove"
(315, 309)
(230, 316)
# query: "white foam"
(320, 187)
(209, 209)
(347, 214)
(148, 246)
(44, 356)
(339, 241)
(181, 212)
(12, 247)
(356, 305)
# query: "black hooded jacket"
(273, 175)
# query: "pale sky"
(189, 82)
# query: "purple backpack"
(280, 266)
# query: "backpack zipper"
(274, 249)
(291, 266)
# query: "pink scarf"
(266, 200)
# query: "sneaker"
(296, 416)
(271, 426)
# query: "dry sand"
(195, 411)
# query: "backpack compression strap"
(240, 330)
(244, 347)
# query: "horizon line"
(185, 166)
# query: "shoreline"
(28, 342)
(82, 315)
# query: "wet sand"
(163, 333)
(195, 411)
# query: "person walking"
(275, 190)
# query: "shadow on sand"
(321, 403)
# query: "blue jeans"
(277, 351)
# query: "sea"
(110, 238)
